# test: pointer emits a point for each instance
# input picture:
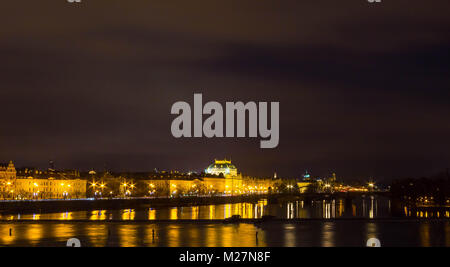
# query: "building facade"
(36, 184)
(222, 168)
(49, 188)
(7, 180)
(222, 178)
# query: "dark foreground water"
(327, 223)
(194, 234)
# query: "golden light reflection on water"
(372, 210)
(5, 238)
(327, 235)
(237, 209)
(66, 216)
(340, 207)
(151, 214)
(132, 235)
(194, 213)
(323, 209)
(326, 208)
(212, 211)
(211, 233)
(447, 234)
(289, 236)
(62, 231)
(174, 214)
(247, 211)
(97, 235)
(98, 215)
(127, 235)
(371, 231)
(290, 211)
(425, 235)
(34, 233)
(150, 237)
(227, 211)
(175, 234)
(128, 215)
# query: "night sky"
(364, 89)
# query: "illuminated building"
(303, 186)
(221, 178)
(306, 176)
(34, 184)
(7, 178)
(210, 186)
(8, 171)
(50, 188)
(222, 168)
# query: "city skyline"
(52, 166)
(222, 132)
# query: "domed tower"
(222, 167)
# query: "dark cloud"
(363, 89)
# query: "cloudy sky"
(364, 89)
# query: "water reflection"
(327, 234)
(426, 212)
(447, 234)
(290, 236)
(34, 233)
(425, 235)
(66, 216)
(151, 214)
(178, 234)
(128, 214)
(371, 231)
(98, 215)
(365, 207)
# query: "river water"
(367, 218)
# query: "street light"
(371, 185)
(102, 186)
(35, 194)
